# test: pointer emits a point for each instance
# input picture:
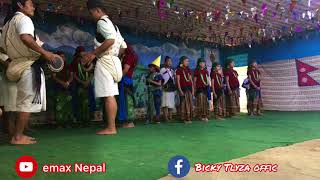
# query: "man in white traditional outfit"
(108, 70)
(8, 95)
(18, 41)
(168, 98)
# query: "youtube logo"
(26, 167)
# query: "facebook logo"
(179, 166)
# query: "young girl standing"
(185, 88)
(254, 101)
(201, 81)
(233, 94)
(217, 84)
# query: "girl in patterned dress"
(233, 94)
(217, 84)
(186, 89)
(255, 101)
(202, 82)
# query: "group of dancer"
(221, 86)
(21, 50)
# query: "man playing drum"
(19, 42)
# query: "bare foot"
(205, 119)
(220, 118)
(30, 138)
(107, 132)
(22, 141)
(128, 125)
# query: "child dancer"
(232, 97)
(246, 85)
(65, 96)
(169, 88)
(83, 88)
(255, 102)
(154, 82)
(217, 85)
(185, 88)
(202, 82)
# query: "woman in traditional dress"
(83, 88)
(233, 94)
(255, 101)
(63, 91)
(217, 84)
(186, 90)
(202, 82)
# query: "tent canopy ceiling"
(224, 22)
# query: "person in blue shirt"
(154, 84)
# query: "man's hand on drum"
(87, 58)
(49, 56)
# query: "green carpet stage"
(143, 152)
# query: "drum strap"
(99, 37)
